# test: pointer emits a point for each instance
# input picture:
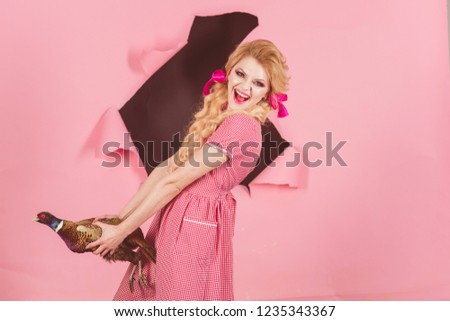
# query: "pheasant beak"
(35, 219)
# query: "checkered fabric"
(193, 233)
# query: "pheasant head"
(50, 220)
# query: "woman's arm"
(161, 193)
(158, 195)
(162, 170)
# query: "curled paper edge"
(111, 134)
(280, 172)
(153, 59)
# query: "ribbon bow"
(217, 76)
(275, 100)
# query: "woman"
(189, 193)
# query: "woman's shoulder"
(241, 119)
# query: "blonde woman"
(189, 193)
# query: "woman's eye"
(258, 83)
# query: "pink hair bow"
(275, 100)
(217, 76)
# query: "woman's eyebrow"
(240, 69)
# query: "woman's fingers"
(107, 243)
(103, 251)
(106, 252)
(91, 245)
(100, 217)
(101, 247)
(100, 250)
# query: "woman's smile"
(240, 98)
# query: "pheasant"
(77, 235)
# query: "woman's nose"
(246, 86)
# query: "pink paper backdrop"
(374, 73)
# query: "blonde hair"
(211, 114)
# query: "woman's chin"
(234, 107)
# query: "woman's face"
(247, 84)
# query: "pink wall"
(374, 73)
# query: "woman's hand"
(98, 218)
(111, 237)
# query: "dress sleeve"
(239, 138)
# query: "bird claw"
(143, 280)
(131, 279)
(142, 276)
(130, 283)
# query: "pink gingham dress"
(193, 233)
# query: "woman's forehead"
(252, 68)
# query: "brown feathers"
(77, 235)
